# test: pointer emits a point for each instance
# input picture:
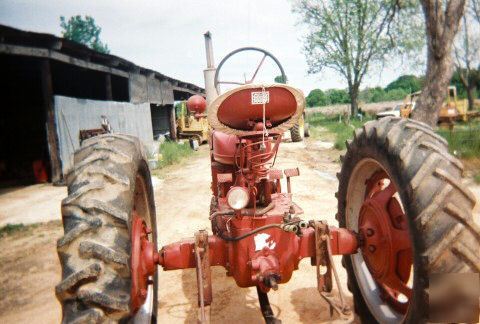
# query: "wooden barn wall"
(150, 89)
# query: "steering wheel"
(244, 49)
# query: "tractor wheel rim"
(383, 267)
(142, 259)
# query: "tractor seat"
(238, 110)
(224, 147)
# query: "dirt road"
(29, 268)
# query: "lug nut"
(370, 232)
(372, 248)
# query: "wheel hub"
(143, 262)
(386, 246)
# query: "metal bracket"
(295, 172)
(323, 258)
(204, 277)
(322, 262)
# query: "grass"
(10, 229)
(173, 153)
(476, 178)
(463, 141)
(340, 130)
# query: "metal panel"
(72, 115)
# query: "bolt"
(370, 232)
(372, 248)
(143, 293)
(273, 283)
(303, 224)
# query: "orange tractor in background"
(403, 216)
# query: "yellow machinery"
(409, 104)
(453, 109)
(192, 121)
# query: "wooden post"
(173, 123)
(52, 138)
(108, 87)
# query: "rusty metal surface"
(294, 172)
(204, 277)
(237, 109)
(386, 249)
(275, 174)
(325, 267)
(202, 246)
(324, 277)
(233, 111)
(143, 262)
(224, 177)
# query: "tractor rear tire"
(307, 129)
(443, 234)
(297, 132)
(110, 178)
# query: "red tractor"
(403, 216)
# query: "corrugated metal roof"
(20, 42)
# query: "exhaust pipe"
(209, 73)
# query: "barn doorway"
(24, 157)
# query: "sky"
(167, 36)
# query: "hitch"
(204, 277)
(323, 258)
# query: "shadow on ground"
(311, 308)
(231, 304)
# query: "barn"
(52, 88)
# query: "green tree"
(279, 79)
(379, 94)
(410, 83)
(351, 36)
(466, 48)
(84, 31)
(317, 98)
(473, 82)
(396, 94)
(337, 96)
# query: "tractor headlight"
(237, 197)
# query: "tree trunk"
(441, 27)
(353, 91)
(471, 96)
(439, 72)
(469, 85)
